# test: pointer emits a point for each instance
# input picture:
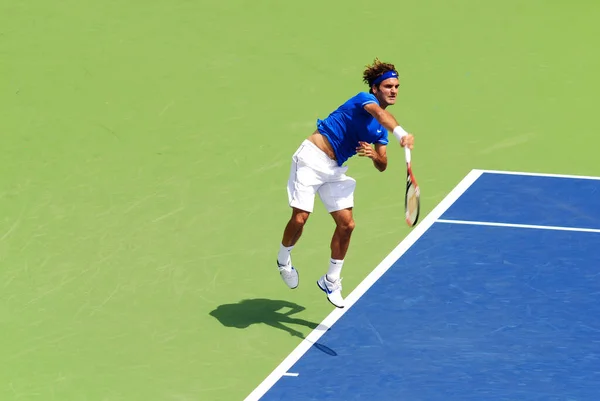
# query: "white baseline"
(575, 177)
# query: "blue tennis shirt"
(351, 123)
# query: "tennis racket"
(412, 199)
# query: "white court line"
(291, 374)
(488, 223)
(582, 177)
(359, 291)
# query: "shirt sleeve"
(364, 98)
(383, 139)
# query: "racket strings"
(412, 205)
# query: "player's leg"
(344, 226)
(338, 198)
(303, 183)
(291, 235)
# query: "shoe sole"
(298, 274)
(325, 291)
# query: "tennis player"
(359, 126)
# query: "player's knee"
(347, 226)
(300, 218)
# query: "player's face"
(387, 92)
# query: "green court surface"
(145, 148)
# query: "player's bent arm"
(386, 119)
(380, 161)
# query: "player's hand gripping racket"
(412, 199)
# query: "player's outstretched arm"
(389, 122)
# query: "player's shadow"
(275, 313)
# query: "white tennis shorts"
(314, 172)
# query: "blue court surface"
(494, 296)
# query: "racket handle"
(407, 154)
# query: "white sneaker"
(289, 275)
(333, 289)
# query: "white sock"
(283, 257)
(335, 269)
